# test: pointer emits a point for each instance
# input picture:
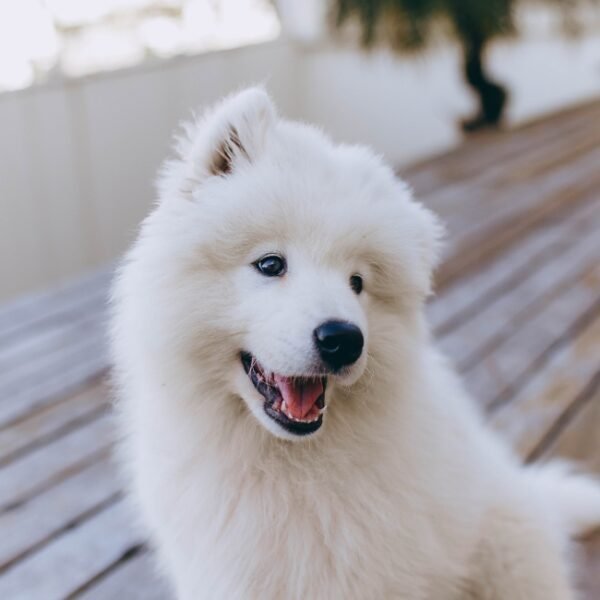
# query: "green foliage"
(410, 24)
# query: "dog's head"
(285, 267)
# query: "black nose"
(339, 343)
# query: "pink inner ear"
(234, 129)
(225, 153)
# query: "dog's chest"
(321, 539)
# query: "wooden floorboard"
(471, 294)
(30, 526)
(49, 465)
(579, 440)
(61, 568)
(53, 421)
(132, 579)
(517, 310)
(534, 418)
(492, 149)
(497, 320)
(514, 361)
(23, 315)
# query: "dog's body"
(225, 309)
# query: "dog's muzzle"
(295, 403)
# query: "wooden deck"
(518, 310)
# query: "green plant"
(408, 25)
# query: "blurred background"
(490, 109)
(91, 91)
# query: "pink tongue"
(299, 395)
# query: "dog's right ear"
(232, 133)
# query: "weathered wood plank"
(48, 465)
(53, 388)
(73, 559)
(503, 204)
(589, 568)
(489, 150)
(496, 379)
(469, 202)
(580, 442)
(134, 579)
(33, 524)
(530, 415)
(494, 174)
(37, 309)
(471, 294)
(552, 158)
(53, 421)
(49, 336)
(42, 358)
(510, 224)
(475, 339)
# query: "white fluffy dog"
(290, 430)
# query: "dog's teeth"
(282, 406)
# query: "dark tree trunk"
(492, 96)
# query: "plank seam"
(564, 419)
(66, 527)
(575, 329)
(129, 554)
(58, 478)
(55, 399)
(93, 415)
(480, 353)
(542, 257)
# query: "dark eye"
(271, 265)
(356, 283)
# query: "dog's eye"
(356, 283)
(271, 265)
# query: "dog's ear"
(235, 131)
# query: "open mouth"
(295, 403)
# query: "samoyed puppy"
(290, 430)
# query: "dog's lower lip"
(274, 405)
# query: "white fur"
(403, 493)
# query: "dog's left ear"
(232, 133)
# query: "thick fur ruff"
(402, 492)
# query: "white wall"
(408, 108)
(77, 159)
(404, 108)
